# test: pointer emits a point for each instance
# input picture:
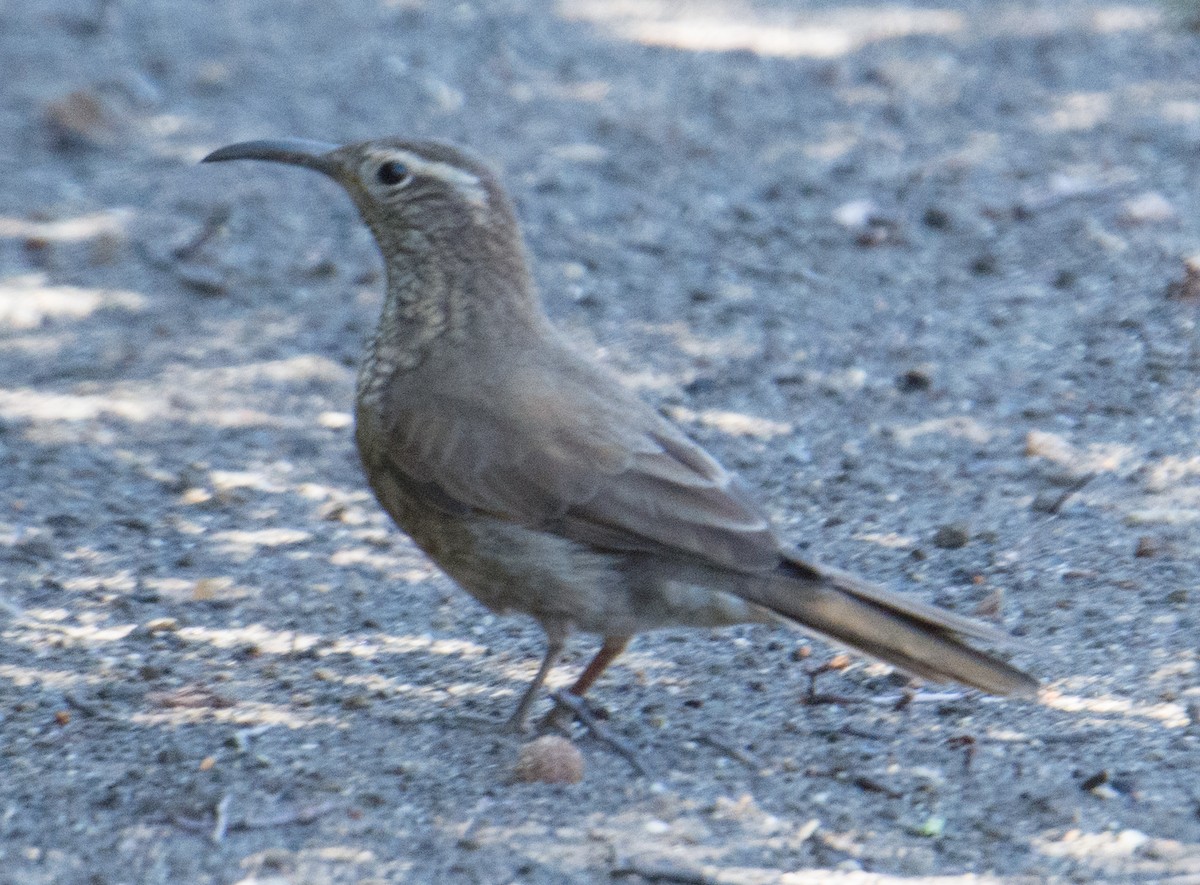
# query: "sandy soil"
(916, 270)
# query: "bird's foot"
(568, 705)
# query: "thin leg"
(609, 651)
(560, 716)
(554, 650)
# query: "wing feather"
(588, 461)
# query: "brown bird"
(540, 483)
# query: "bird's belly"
(512, 568)
(560, 582)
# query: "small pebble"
(991, 605)
(196, 495)
(856, 214)
(840, 661)
(80, 118)
(916, 378)
(203, 281)
(938, 219)
(930, 828)
(1193, 713)
(1148, 208)
(984, 265)
(1105, 791)
(951, 537)
(1189, 286)
(1051, 446)
(1147, 547)
(549, 760)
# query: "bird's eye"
(393, 172)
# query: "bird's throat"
(422, 304)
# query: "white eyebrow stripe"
(468, 185)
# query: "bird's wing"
(585, 461)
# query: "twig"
(467, 840)
(212, 225)
(917, 697)
(812, 699)
(1056, 505)
(578, 706)
(1069, 737)
(837, 664)
(662, 874)
(848, 731)
(736, 753)
(870, 785)
(221, 826)
(897, 702)
(306, 815)
(243, 736)
(191, 824)
(82, 706)
(969, 745)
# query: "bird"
(538, 481)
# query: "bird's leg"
(609, 651)
(554, 650)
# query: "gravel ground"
(917, 270)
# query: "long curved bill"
(292, 151)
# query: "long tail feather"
(920, 638)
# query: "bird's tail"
(923, 639)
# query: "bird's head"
(412, 194)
